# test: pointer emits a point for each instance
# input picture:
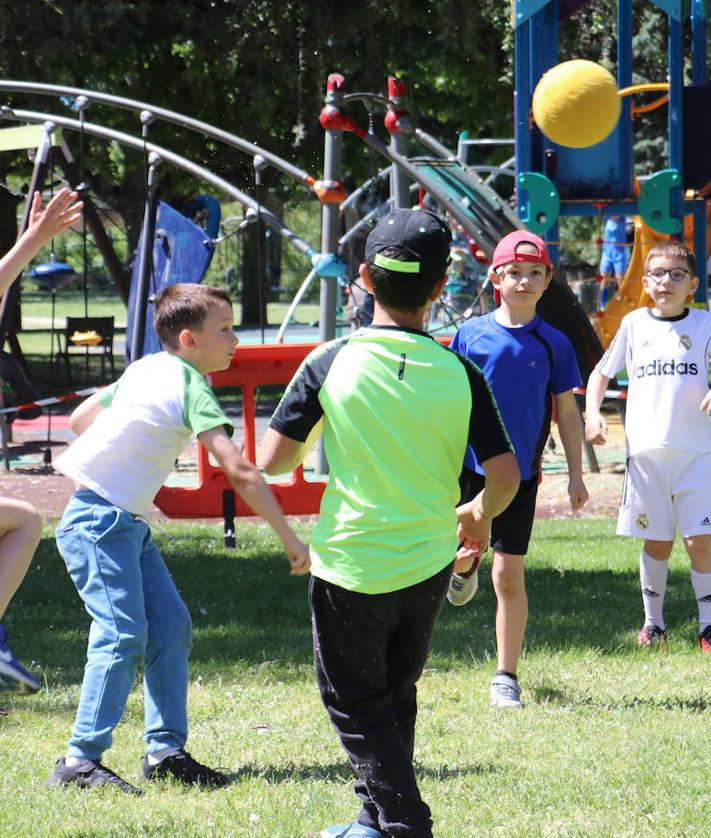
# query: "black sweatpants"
(369, 651)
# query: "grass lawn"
(37, 310)
(36, 337)
(613, 740)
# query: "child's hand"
(299, 558)
(577, 493)
(465, 557)
(595, 429)
(61, 212)
(706, 404)
(474, 537)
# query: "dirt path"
(49, 491)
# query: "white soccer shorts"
(665, 490)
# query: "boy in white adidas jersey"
(666, 351)
(129, 436)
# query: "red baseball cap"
(506, 250)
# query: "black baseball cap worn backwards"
(421, 235)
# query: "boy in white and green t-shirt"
(129, 436)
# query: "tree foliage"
(258, 68)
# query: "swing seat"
(89, 336)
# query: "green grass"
(37, 310)
(36, 337)
(613, 740)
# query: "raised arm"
(62, 211)
(251, 487)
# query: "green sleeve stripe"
(106, 395)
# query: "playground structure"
(551, 181)
(599, 180)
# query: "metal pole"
(332, 161)
(145, 263)
(399, 183)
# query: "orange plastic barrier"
(251, 367)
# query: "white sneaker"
(505, 693)
(463, 586)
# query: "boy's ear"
(186, 339)
(694, 286)
(494, 279)
(364, 274)
(436, 291)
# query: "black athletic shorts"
(510, 531)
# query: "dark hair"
(674, 249)
(402, 291)
(183, 306)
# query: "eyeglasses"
(675, 274)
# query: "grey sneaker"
(87, 775)
(463, 586)
(505, 693)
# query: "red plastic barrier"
(251, 367)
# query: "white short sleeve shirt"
(667, 363)
(150, 413)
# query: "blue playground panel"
(182, 252)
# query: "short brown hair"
(183, 306)
(675, 250)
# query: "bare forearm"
(595, 392)
(571, 435)
(278, 454)
(502, 479)
(14, 261)
(254, 491)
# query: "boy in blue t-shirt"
(530, 367)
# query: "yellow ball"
(576, 103)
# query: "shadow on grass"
(342, 772)
(564, 698)
(247, 610)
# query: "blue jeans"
(137, 616)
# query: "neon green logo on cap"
(396, 265)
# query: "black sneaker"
(183, 768)
(87, 775)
